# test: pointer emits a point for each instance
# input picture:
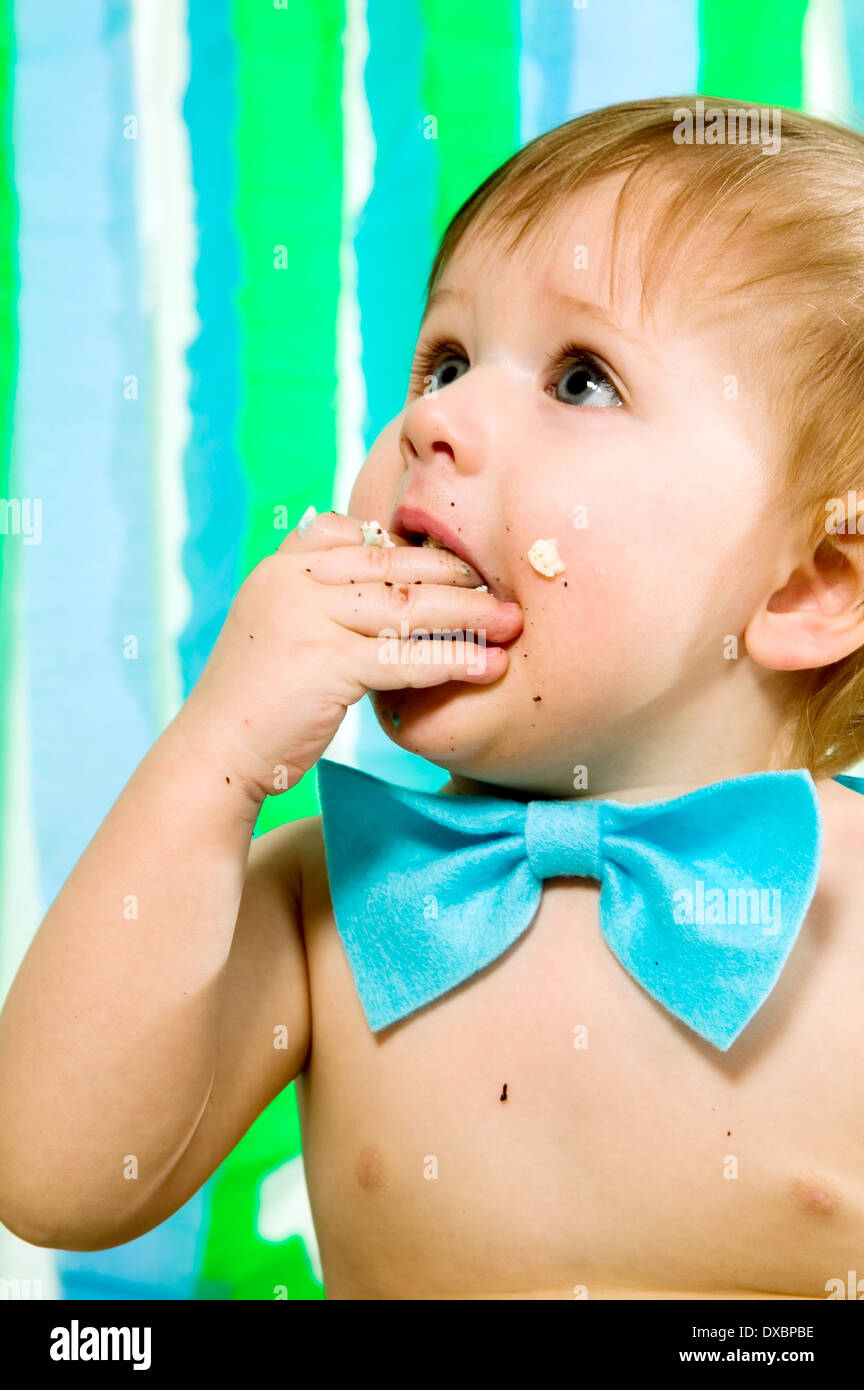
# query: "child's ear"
(817, 617)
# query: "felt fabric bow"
(701, 897)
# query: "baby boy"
(637, 397)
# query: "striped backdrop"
(217, 218)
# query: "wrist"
(209, 750)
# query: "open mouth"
(423, 538)
(476, 636)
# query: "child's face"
(660, 507)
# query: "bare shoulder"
(308, 851)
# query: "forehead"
(601, 244)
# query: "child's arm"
(137, 1041)
(148, 1040)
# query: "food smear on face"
(544, 558)
(374, 534)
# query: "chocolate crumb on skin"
(503, 1095)
(537, 699)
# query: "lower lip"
(442, 546)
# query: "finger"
(401, 564)
(315, 530)
(384, 664)
(373, 610)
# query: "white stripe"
(826, 81)
(166, 219)
(21, 907)
(358, 156)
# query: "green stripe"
(752, 52)
(9, 284)
(471, 88)
(288, 172)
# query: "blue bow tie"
(701, 898)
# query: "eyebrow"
(586, 308)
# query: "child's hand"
(301, 643)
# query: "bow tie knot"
(565, 837)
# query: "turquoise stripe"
(625, 51)
(400, 212)
(215, 485)
(853, 17)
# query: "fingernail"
(306, 521)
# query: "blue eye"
(436, 364)
(446, 368)
(583, 376)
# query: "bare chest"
(549, 1130)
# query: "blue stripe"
(546, 62)
(81, 447)
(625, 51)
(213, 471)
(86, 451)
(165, 1263)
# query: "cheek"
(629, 569)
(373, 495)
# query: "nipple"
(370, 1169)
(816, 1194)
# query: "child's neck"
(689, 776)
(678, 750)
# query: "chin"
(451, 725)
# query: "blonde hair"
(796, 217)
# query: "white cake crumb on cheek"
(374, 534)
(544, 558)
